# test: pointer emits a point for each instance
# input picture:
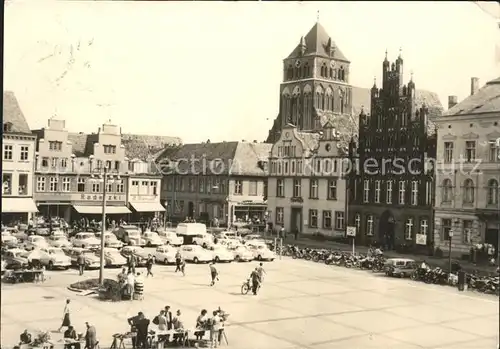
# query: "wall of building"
(17, 165)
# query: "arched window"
(492, 192)
(468, 191)
(290, 73)
(447, 191)
(331, 73)
(322, 73)
(306, 70)
(341, 74)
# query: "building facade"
(391, 192)
(18, 156)
(306, 189)
(468, 170)
(70, 170)
(223, 181)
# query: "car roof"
(401, 260)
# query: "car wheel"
(402, 275)
(165, 261)
(237, 258)
(204, 245)
(50, 266)
(195, 260)
(148, 244)
(217, 259)
(259, 257)
(195, 243)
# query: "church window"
(322, 71)
(341, 74)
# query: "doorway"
(491, 237)
(190, 209)
(296, 220)
(386, 229)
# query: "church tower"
(315, 85)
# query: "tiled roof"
(13, 114)
(198, 158)
(347, 124)
(316, 44)
(250, 159)
(486, 100)
(140, 147)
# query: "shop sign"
(351, 231)
(143, 197)
(421, 239)
(98, 197)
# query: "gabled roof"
(250, 159)
(316, 44)
(13, 114)
(486, 100)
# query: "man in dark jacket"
(81, 263)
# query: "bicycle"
(246, 287)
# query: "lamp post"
(105, 176)
(450, 237)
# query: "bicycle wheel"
(245, 288)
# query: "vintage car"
(170, 238)
(400, 267)
(16, 258)
(9, 240)
(196, 254)
(152, 238)
(50, 257)
(140, 254)
(221, 254)
(129, 235)
(86, 241)
(241, 253)
(35, 241)
(261, 252)
(203, 239)
(110, 240)
(91, 260)
(112, 257)
(60, 241)
(165, 254)
(252, 237)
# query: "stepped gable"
(348, 126)
(12, 114)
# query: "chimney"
(474, 85)
(452, 101)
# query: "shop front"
(145, 207)
(249, 211)
(17, 210)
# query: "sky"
(211, 70)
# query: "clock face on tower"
(297, 63)
(332, 64)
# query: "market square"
(301, 305)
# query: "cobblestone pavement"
(302, 305)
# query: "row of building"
(387, 161)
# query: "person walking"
(149, 266)
(178, 260)
(90, 337)
(66, 321)
(81, 263)
(214, 274)
(131, 264)
(261, 272)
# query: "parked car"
(165, 254)
(16, 258)
(91, 260)
(9, 240)
(129, 235)
(221, 254)
(4, 266)
(241, 253)
(42, 231)
(400, 267)
(50, 257)
(112, 257)
(170, 238)
(86, 241)
(110, 240)
(203, 239)
(60, 241)
(195, 254)
(152, 238)
(141, 255)
(251, 237)
(261, 252)
(35, 241)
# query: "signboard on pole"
(351, 231)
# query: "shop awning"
(147, 206)
(18, 205)
(85, 209)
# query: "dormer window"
(109, 149)
(7, 127)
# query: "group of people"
(131, 284)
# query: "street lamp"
(450, 236)
(106, 176)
